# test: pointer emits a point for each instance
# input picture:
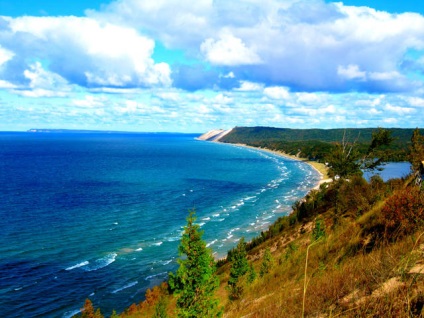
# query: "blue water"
(100, 215)
(390, 170)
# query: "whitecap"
(139, 249)
(72, 313)
(156, 275)
(206, 219)
(102, 262)
(158, 243)
(77, 265)
(215, 215)
(211, 243)
(167, 262)
(116, 223)
(125, 287)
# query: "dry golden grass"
(350, 272)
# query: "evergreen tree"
(251, 275)
(267, 262)
(239, 267)
(195, 281)
(416, 149)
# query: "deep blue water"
(100, 215)
(390, 170)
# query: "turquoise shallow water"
(100, 215)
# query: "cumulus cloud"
(85, 51)
(276, 92)
(351, 72)
(228, 51)
(316, 46)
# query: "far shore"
(321, 168)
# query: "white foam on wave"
(101, 262)
(211, 243)
(125, 287)
(201, 224)
(215, 215)
(206, 219)
(139, 249)
(71, 313)
(85, 263)
(158, 244)
(167, 261)
(156, 275)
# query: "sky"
(193, 66)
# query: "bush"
(403, 213)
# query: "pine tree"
(195, 281)
(267, 262)
(252, 274)
(239, 267)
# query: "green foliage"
(251, 275)
(195, 281)
(267, 263)
(316, 143)
(319, 230)
(160, 308)
(344, 160)
(239, 267)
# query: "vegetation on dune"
(315, 144)
(352, 248)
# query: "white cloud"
(228, 50)
(416, 101)
(399, 109)
(90, 101)
(101, 53)
(277, 92)
(351, 72)
(5, 55)
(247, 86)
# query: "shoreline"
(320, 168)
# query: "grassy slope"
(359, 268)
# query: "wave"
(85, 263)
(101, 262)
(125, 287)
(164, 274)
(139, 249)
(157, 244)
(72, 313)
(206, 219)
(211, 243)
(167, 261)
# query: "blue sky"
(191, 66)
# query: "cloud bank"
(280, 63)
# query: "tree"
(160, 308)
(252, 274)
(239, 267)
(416, 150)
(267, 262)
(88, 310)
(345, 160)
(195, 281)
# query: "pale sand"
(319, 167)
